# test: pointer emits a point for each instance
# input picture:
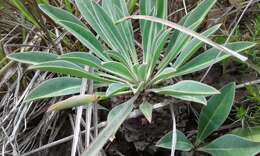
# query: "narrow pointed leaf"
(193, 46)
(187, 87)
(113, 124)
(55, 87)
(188, 32)
(215, 113)
(103, 24)
(82, 58)
(74, 26)
(118, 69)
(181, 41)
(200, 12)
(150, 29)
(195, 16)
(85, 37)
(192, 98)
(114, 88)
(24, 11)
(159, 43)
(117, 10)
(59, 14)
(141, 71)
(164, 75)
(32, 57)
(210, 57)
(68, 68)
(183, 144)
(147, 110)
(146, 8)
(231, 145)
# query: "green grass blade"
(20, 6)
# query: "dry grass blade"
(136, 113)
(78, 118)
(187, 31)
(174, 132)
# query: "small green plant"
(117, 63)
(241, 141)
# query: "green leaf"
(209, 57)
(85, 37)
(68, 5)
(183, 144)
(104, 26)
(55, 87)
(76, 27)
(117, 10)
(68, 68)
(114, 122)
(82, 58)
(58, 14)
(197, 99)
(164, 75)
(200, 12)
(32, 57)
(181, 40)
(187, 87)
(159, 43)
(162, 9)
(21, 7)
(193, 46)
(195, 16)
(215, 113)
(186, 31)
(231, 145)
(118, 69)
(141, 71)
(43, 1)
(150, 30)
(114, 88)
(146, 8)
(148, 38)
(116, 56)
(251, 133)
(74, 101)
(147, 109)
(131, 6)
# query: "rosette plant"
(168, 50)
